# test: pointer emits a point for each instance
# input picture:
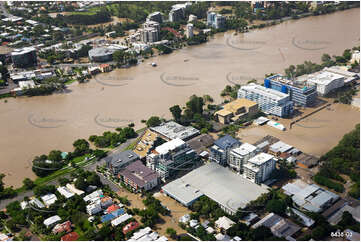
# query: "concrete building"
(235, 110)
(170, 157)
(120, 219)
(259, 168)
(115, 162)
(49, 199)
(301, 93)
(65, 192)
(156, 16)
(215, 20)
(240, 156)
(223, 186)
(349, 76)
(139, 177)
(93, 208)
(324, 81)
(177, 13)
(149, 35)
(25, 57)
(219, 152)
(269, 101)
(310, 197)
(172, 130)
(101, 54)
(189, 30)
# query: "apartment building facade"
(269, 101)
(259, 168)
(219, 152)
(301, 93)
(240, 156)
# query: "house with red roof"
(130, 227)
(112, 208)
(70, 237)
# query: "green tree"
(28, 183)
(153, 121)
(176, 112)
(276, 206)
(172, 233)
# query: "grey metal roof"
(230, 190)
(226, 141)
(121, 158)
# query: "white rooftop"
(49, 199)
(172, 130)
(169, 146)
(219, 184)
(252, 87)
(260, 158)
(224, 223)
(52, 220)
(280, 147)
(245, 149)
(121, 219)
(324, 78)
(65, 192)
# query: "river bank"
(36, 125)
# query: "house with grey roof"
(118, 161)
(139, 177)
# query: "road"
(90, 167)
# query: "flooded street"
(34, 126)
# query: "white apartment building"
(269, 100)
(240, 156)
(93, 208)
(259, 168)
(189, 30)
(326, 81)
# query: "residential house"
(130, 227)
(223, 224)
(50, 222)
(73, 236)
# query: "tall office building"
(156, 16)
(215, 20)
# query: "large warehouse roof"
(228, 189)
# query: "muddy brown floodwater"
(36, 125)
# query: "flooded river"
(33, 126)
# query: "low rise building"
(324, 81)
(259, 168)
(310, 197)
(63, 227)
(219, 152)
(50, 222)
(49, 199)
(235, 110)
(117, 161)
(280, 227)
(139, 177)
(130, 227)
(223, 224)
(121, 219)
(172, 130)
(73, 236)
(93, 208)
(65, 192)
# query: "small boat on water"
(154, 64)
(186, 60)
